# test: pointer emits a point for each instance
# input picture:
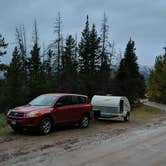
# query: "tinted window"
(65, 100)
(75, 100)
(71, 100)
(78, 100)
(81, 100)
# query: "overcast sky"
(142, 20)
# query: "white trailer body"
(111, 106)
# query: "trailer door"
(121, 106)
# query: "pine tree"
(129, 81)
(3, 45)
(12, 82)
(156, 89)
(88, 59)
(94, 50)
(22, 49)
(69, 72)
(47, 72)
(35, 71)
(3, 67)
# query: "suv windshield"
(44, 100)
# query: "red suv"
(47, 110)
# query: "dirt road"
(140, 147)
(154, 104)
(103, 143)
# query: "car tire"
(45, 125)
(127, 117)
(84, 122)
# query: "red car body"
(57, 112)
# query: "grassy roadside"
(4, 128)
(146, 112)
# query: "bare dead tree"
(21, 40)
(35, 36)
(22, 49)
(104, 39)
(58, 40)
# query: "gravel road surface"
(138, 142)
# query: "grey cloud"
(143, 20)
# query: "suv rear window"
(81, 100)
(78, 100)
(75, 100)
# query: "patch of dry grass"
(144, 111)
(4, 128)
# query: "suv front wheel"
(84, 122)
(45, 125)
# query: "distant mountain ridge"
(145, 71)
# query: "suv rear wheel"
(46, 125)
(84, 122)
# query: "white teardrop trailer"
(106, 107)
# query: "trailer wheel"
(127, 117)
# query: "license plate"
(13, 122)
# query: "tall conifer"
(129, 81)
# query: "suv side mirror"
(58, 104)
